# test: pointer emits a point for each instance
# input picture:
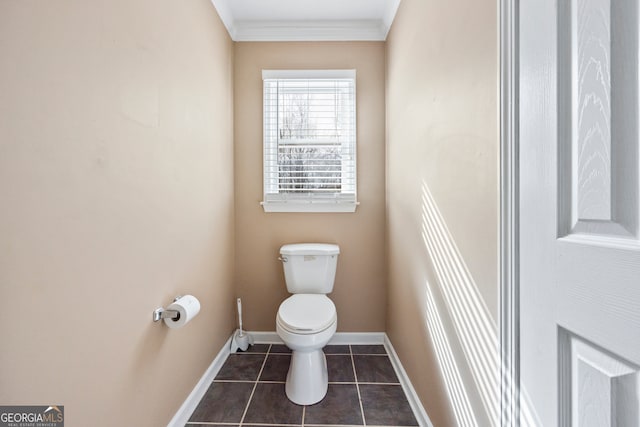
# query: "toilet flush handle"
(283, 258)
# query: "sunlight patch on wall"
(450, 372)
(473, 324)
(474, 327)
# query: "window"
(309, 141)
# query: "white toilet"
(307, 320)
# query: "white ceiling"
(307, 20)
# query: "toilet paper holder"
(163, 313)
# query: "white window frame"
(276, 201)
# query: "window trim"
(305, 203)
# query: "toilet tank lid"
(310, 249)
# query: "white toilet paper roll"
(188, 306)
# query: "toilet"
(307, 320)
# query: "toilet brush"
(241, 340)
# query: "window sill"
(310, 207)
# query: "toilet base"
(307, 379)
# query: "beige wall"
(116, 185)
(360, 288)
(442, 203)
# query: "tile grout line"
(269, 351)
(355, 376)
(255, 385)
(372, 383)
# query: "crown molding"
(276, 31)
(390, 15)
(225, 14)
(307, 30)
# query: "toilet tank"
(309, 268)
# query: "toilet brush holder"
(241, 340)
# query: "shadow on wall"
(474, 327)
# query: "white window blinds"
(309, 140)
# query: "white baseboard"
(357, 338)
(340, 338)
(337, 339)
(412, 396)
(184, 413)
(265, 337)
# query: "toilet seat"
(306, 314)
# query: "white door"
(579, 213)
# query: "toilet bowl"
(306, 323)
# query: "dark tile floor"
(249, 391)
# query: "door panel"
(580, 213)
(597, 103)
(599, 388)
